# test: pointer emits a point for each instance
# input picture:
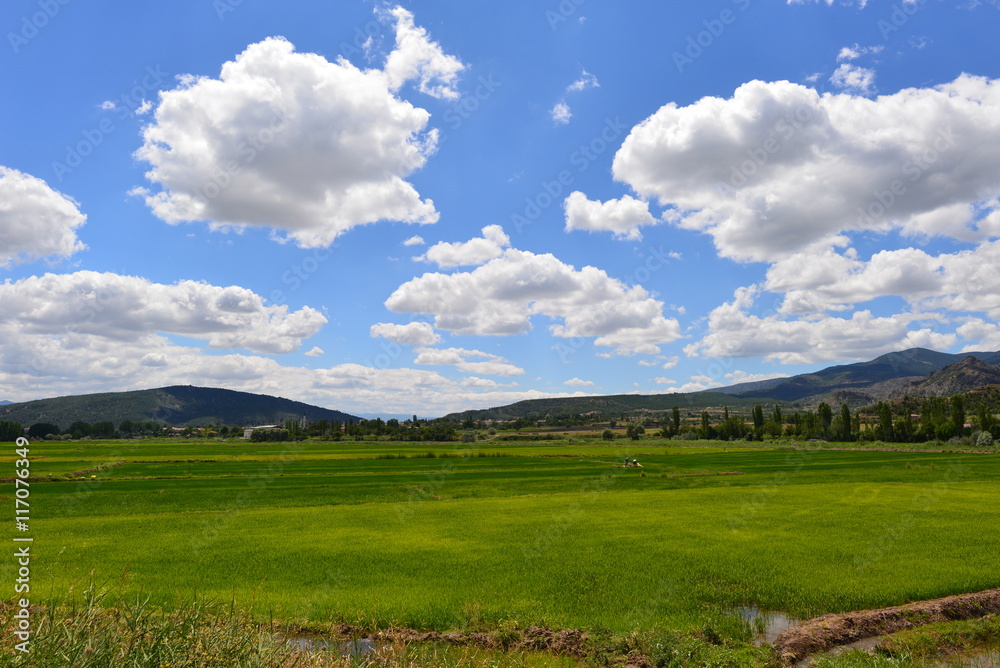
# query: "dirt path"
(824, 633)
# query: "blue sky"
(392, 209)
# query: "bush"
(608, 435)
(982, 439)
(268, 435)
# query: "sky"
(426, 207)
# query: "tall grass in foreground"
(204, 634)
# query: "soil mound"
(824, 633)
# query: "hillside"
(177, 406)
(851, 379)
(914, 372)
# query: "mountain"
(914, 372)
(969, 374)
(177, 406)
(857, 384)
(5, 402)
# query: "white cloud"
(501, 297)
(315, 351)
(561, 113)
(696, 383)
(854, 79)
(144, 108)
(733, 332)
(127, 310)
(737, 377)
(415, 240)
(296, 143)
(622, 217)
(960, 282)
(586, 80)
(470, 253)
(661, 380)
(483, 383)
(493, 365)
(671, 362)
(35, 221)
(411, 334)
(849, 53)
(779, 168)
(576, 382)
(416, 57)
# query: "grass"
(381, 534)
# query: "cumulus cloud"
(491, 365)
(622, 217)
(561, 113)
(411, 334)
(315, 351)
(778, 168)
(849, 53)
(35, 221)
(127, 309)
(417, 57)
(501, 297)
(734, 332)
(469, 253)
(854, 79)
(296, 143)
(576, 382)
(415, 240)
(960, 282)
(586, 80)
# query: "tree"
(825, 414)
(608, 435)
(676, 417)
(845, 419)
(10, 431)
(634, 430)
(958, 413)
(758, 417)
(986, 419)
(42, 429)
(884, 430)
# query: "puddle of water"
(770, 622)
(352, 649)
(865, 644)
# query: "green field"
(479, 536)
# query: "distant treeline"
(409, 430)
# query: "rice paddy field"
(494, 535)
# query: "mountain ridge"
(175, 406)
(888, 376)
